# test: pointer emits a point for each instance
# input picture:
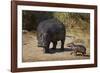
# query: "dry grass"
(33, 53)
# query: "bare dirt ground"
(32, 53)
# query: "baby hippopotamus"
(77, 49)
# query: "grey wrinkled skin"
(48, 31)
(77, 49)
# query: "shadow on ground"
(52, 51)
(59, 50)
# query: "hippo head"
(70, 45)
(42, 39)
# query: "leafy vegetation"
(77, 24)
(81, 21)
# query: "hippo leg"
(62, 45)
(75, 52)
(54, 45)
(71, 52)
(83, 53)
(47, 48)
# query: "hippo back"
(53, 27)
(51, 30)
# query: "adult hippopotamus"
(51, 30)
